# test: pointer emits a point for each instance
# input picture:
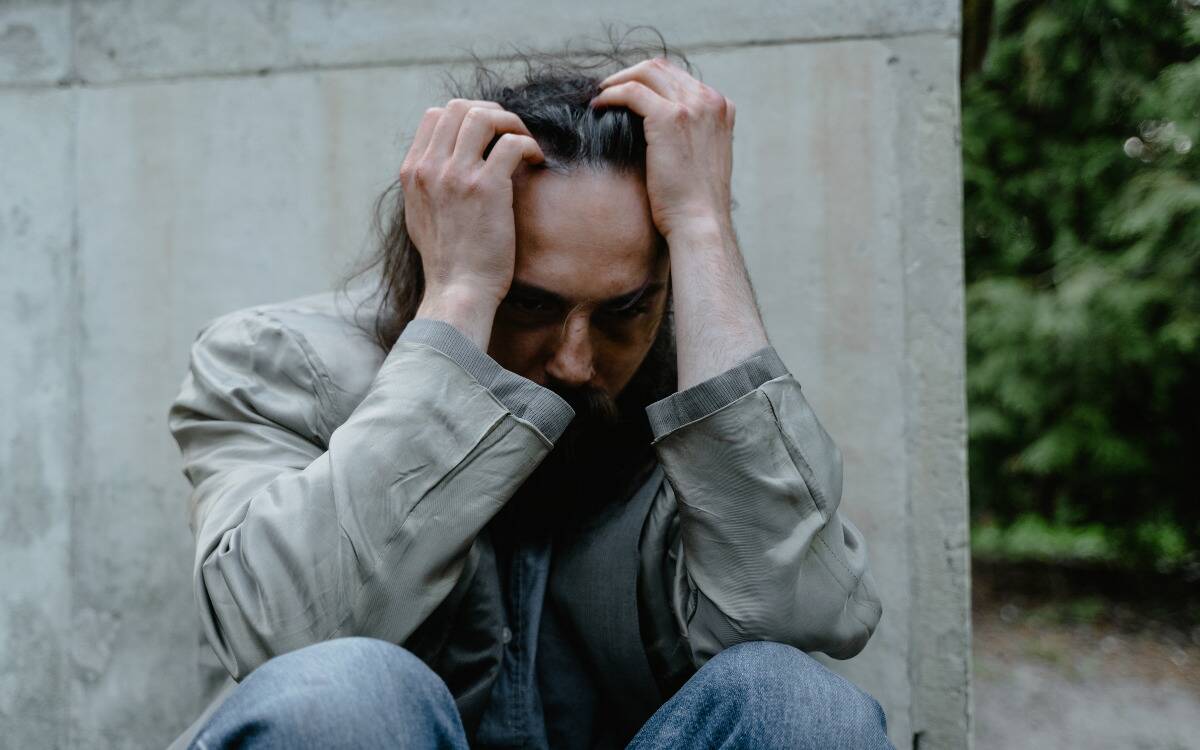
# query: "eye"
(628, 313)
(529, 305)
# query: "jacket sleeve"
(299, 541)
(758, 550)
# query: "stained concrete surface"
(37, 441)
(35, 41)
(124, 39)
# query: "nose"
(572, 363)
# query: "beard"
(605, 453)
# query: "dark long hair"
(550, 93)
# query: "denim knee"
(793, 697)
(340, 693)
(356, 656)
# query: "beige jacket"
(343, 490)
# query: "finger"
(509, 152)
(445, 135)
(636, 96)
(657, 74)
(424, 133)
(479, 127)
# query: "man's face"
(590, 285)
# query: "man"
(566, 495)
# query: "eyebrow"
(618, 302)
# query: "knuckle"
(472, 185)
(450, 180)
(708, 101)
(479, 115)
(474, 114)
(420, 174)
(512, 141)
(681, 114)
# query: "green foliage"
(1081, 134)
(1033, 538)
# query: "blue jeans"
(367, 693)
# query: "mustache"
(592, 405)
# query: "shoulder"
(318, 350)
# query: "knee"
(356, 659)
(792, 696)
(330, 693)
(352, 671)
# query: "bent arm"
(298, 542)
(759, 550)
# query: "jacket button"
(505, 635)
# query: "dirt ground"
(1085, 659)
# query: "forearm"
(761, 551)
(308, 562)
(297, 545)
(717, 322)
(468, 310)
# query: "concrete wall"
(164, 162)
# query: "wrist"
(469, 311)
(717, 321)
(708, 230)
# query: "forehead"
(584, 234)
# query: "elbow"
(833, 620)
(837, 606)
(235, 639)
(259, 590)
(852, 632)
(842, 629)
(838, 623)
(244, 621)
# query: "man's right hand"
(459, 210)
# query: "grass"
(1052, 574)
(1033, 538)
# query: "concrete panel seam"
(73, 59)
(74, 80)
(75, 345)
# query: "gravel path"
(1047, 678)
(1024, 704)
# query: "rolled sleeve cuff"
(540, 406)
(719, 391)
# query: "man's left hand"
(689, 160)
(689, 143)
